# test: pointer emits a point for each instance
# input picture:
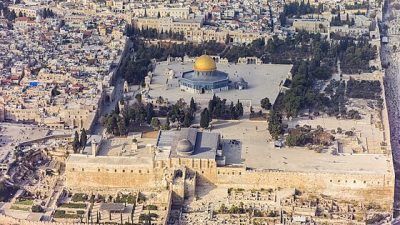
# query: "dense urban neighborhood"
(199, 112)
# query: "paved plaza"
(258, 152)
(263, 81)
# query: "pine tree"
(75, 143)
(83, 138)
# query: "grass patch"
(79, 197)
(130, 199)
(25, 202)
(19, 208)
(150, 207)
(62, 214)
(74, 205)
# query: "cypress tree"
(75, 143)
(83, 138)
(205, 118)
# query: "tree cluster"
(152, 33)
(138, 113)
(337, 20)
(334, 102)
(79, 141)
(301, 94)
(266, 104)
(301, 136)
(219, 110)
(355, 55)
(366, 89)
(296, 9)
(47, 13)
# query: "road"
(392, 84)
(108, 107)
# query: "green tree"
(297, 139)
(187, 121)
(275, 127)
(149, 113)
(76, 143)
(117, 110)
(266, 104)
(155, 123)
(83, 139)
(239, 109)
(205, 118)
(167, 124)
(192, 105)
(121, 127)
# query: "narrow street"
(108, 107)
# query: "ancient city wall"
(348, 186)
(92, 180)
(365, 187)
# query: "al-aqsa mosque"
(204, 78)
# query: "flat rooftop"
(263, 81)
(256, 150)
(112, 161)
(205, 144)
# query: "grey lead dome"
(184, 147)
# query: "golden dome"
(204, 63)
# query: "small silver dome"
(184, 147)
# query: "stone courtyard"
(264, 80)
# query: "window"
(131, 171)
(115, 170)
(354, 181)
(98, 170)
(123, 171)
(83, 169)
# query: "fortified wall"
(366, 187)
